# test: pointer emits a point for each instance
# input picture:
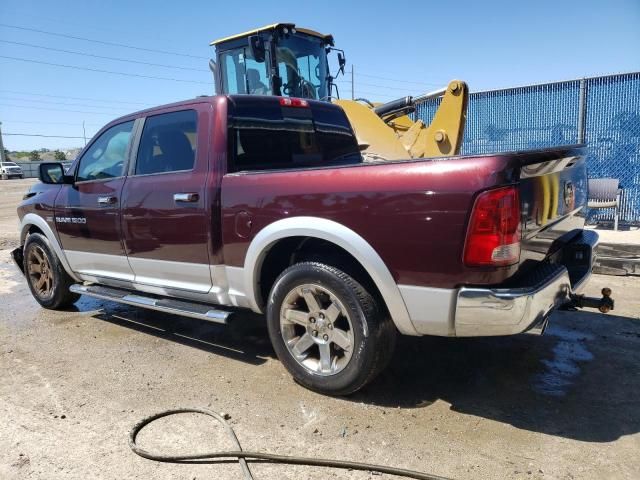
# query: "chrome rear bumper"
(525, 308)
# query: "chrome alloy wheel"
(316, 329)
(40, 273)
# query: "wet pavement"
(562, 406)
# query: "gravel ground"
(72, 384)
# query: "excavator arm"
(387, 132)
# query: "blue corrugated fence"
(603, 112)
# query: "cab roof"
(235, 99)
(274, 26)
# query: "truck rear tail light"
(493, 236)
(293, 102)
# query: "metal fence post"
(582, 110)
(2, 159)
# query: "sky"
(414, 47)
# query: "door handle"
(186, 197)
(107, 200)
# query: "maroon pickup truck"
(209, 205)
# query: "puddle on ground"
(561, 370)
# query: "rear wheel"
(48, 281)
(330, 333)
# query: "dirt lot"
(562, 406)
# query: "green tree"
(6, 154)
(34, 156)
(60, 156)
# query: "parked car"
(10, 170)
(256, 202)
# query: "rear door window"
(168, 143)
(267, 136)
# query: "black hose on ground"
(242, 456)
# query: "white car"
(10, 170)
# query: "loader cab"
(279, 59)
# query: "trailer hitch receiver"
(604, 304)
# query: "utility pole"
(84, 134)
(353, 96)
(2, 155)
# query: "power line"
(58, 22)
(402, 81)
(53, 103)
(112, 44)
(38, 135)
(386, 87)
(74, 98)
(76, 67)
(166, 52)
(31, 45)
(56, 109)
(4, 120)
(365, 92)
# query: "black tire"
(373, 337)
(59, 296)
(5, 176)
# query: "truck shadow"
(245, 339)
(581, 380)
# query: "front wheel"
(48, 281)
(330, 333)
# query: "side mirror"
(342, 61)
(214, 70)
(53, 173)
(256, 45)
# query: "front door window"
(106, 157)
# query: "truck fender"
(31, 219)
(339, 235)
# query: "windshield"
(302, 65)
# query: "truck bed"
(422, 205)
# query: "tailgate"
(553, 196)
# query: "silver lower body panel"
(166, 305)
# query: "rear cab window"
(264, 135)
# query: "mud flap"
(18, 257)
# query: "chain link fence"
(603, 112)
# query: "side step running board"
(167, 305)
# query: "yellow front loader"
(284, 60)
